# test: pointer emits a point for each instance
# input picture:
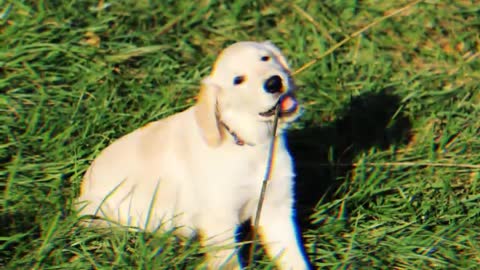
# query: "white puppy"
(201, 170)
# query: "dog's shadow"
(324, 153)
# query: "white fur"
(187, 172)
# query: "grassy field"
(387, 152)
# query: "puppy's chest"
(243, 178)
(244, 167)
(242, 172)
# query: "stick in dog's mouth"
(288, 106)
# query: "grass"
(387, 152)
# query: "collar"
(238, 140)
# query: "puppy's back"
(122, 181)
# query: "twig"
(355, 34)
(268, 173)
(402, 164)
(414, 164)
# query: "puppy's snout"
(273, 84)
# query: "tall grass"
(387, 152)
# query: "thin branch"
(268, 173)
(355, 34)
(403, 164)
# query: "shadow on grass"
(324, 154)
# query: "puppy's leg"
(218, 236)
(279, 235)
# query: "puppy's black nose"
(273, 84)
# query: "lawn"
(387, 152)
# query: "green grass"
(388, 150)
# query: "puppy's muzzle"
(273, 84)
(288, 106)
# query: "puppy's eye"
(265, 58)
(238, 80)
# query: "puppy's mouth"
(288, 106)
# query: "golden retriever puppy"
(201, 170)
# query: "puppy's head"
(247, 81)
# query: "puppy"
(201, 170)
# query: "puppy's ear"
(206, 114)
(278, 54)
